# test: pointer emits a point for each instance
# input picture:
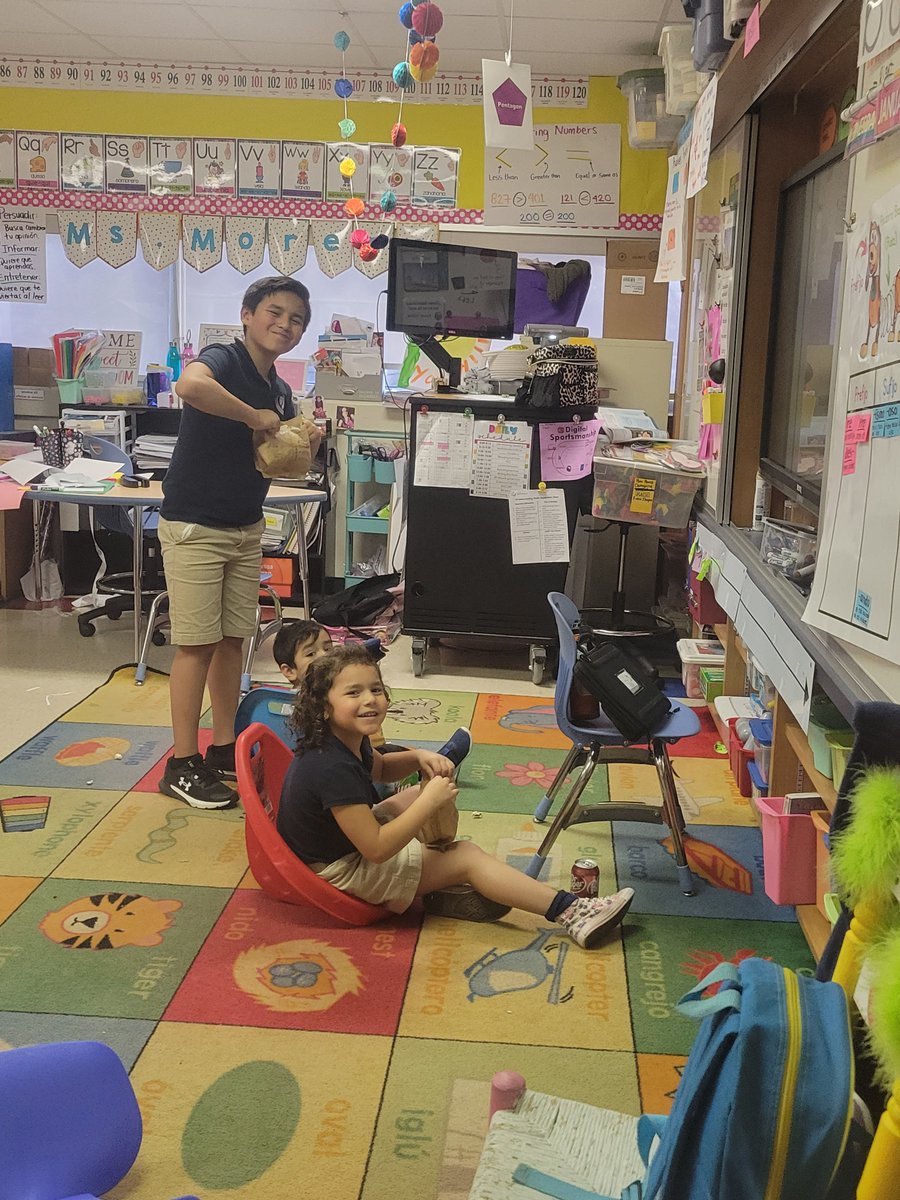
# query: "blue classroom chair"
(598, 742)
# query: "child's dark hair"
(308, 718)
(258, 291)
(291, 637)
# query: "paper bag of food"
(439, 831)
(285, 454)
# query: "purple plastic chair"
(70, 1127)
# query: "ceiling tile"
(246, 24)
(163, 50)
(590, 10)
(296, 7)
(21, 16)
(291, 54)
(626, 37)
(483, 32)
(51, 45)
(140, 20)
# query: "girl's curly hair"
(308, 720)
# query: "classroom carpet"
(276, 1052)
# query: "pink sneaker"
(587, 920)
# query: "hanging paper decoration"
(160, 238)
(419, 231)
(347, 127)
(116, 237)
(402, 76)
(423, 61)
(372, 257)
(354, 207)
(406, 14)
(78, 234)
(388, 201)
(348, 167)
(202, 241)
(245, 242)
(398, 135)
(331, 242)
(288, 243)
(427, 19)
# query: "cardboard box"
(32, 366)
(633, 305)
(33, 401)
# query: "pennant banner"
(160, 238)
(245, 242)
(202, 242)
(379, 264)
(331, 242)
(78, 234)
(116, 237)
(288, 243)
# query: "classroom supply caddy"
(695, 654)
(371, 473)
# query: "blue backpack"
(763, 1108)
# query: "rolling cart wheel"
(86, 630)
(158, 638)
(113, 614)
(537, 660)
(419, 650)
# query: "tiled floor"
(275, 1052)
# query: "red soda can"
(585, 878)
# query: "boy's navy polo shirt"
(212, 479)
(316, 781)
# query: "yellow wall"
(643, 178)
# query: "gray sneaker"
(197, 785)
(590, 918)
(463, 903)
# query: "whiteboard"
(856, 591)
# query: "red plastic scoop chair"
(262, 761)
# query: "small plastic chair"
(269, 706)
(598, 742)
(262, 761)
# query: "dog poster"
(874, 269)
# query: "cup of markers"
(59, 446)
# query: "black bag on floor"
(358, 605)
(628, 694)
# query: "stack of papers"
(153, 451)
(628, 425)
(671, 456)
(349, 348)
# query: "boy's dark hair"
(308, 718)
(291, 637)
(262, 288)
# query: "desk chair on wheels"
(599, 741)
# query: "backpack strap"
(649, 1127)
(691, 1004)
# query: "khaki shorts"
(392, 884)
(212, 577)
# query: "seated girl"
(331, 818)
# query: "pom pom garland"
(359, 237)
(342, 41)
(347, 127)
(388, 201)
(406, 15)
(423, 61)
(427, 19)
(354, 207)
(347, 167)
(367, 252)
(379, 242)
(402, 76)
(344, 88)
(398, 135)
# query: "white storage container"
(649, 125)
(695, 654)
(684, 85)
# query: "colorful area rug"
(275, 1052)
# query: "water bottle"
(173, 360)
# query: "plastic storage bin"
(695, 654)
(385, 471)
(824, 718)
(711, 46)
(684, 85)
(70, 390)
(822, 824)
(740, 759)
(787, 547)
(712, 683)
(840, 743)
(359, 467)
(757, 785)
(702, 604)
(762, 754)
(789, 853)
(736, 14)
(644, 493)
(650, 127)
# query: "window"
(805, 321)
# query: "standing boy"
(211, 527)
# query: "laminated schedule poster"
(501, 458)
(443, 450)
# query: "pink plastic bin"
(789, 853)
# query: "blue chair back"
(71, 1124)
(104, 451)
(263, 706)
(567, 617)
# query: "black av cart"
(460, 578)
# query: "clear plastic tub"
(840, 743)
(684, 85)
(740, 758)
(762, 754)
(118, 394)
(787, 547)
(695, 654)
(644, 493)
(824, 718)
(650, 127)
